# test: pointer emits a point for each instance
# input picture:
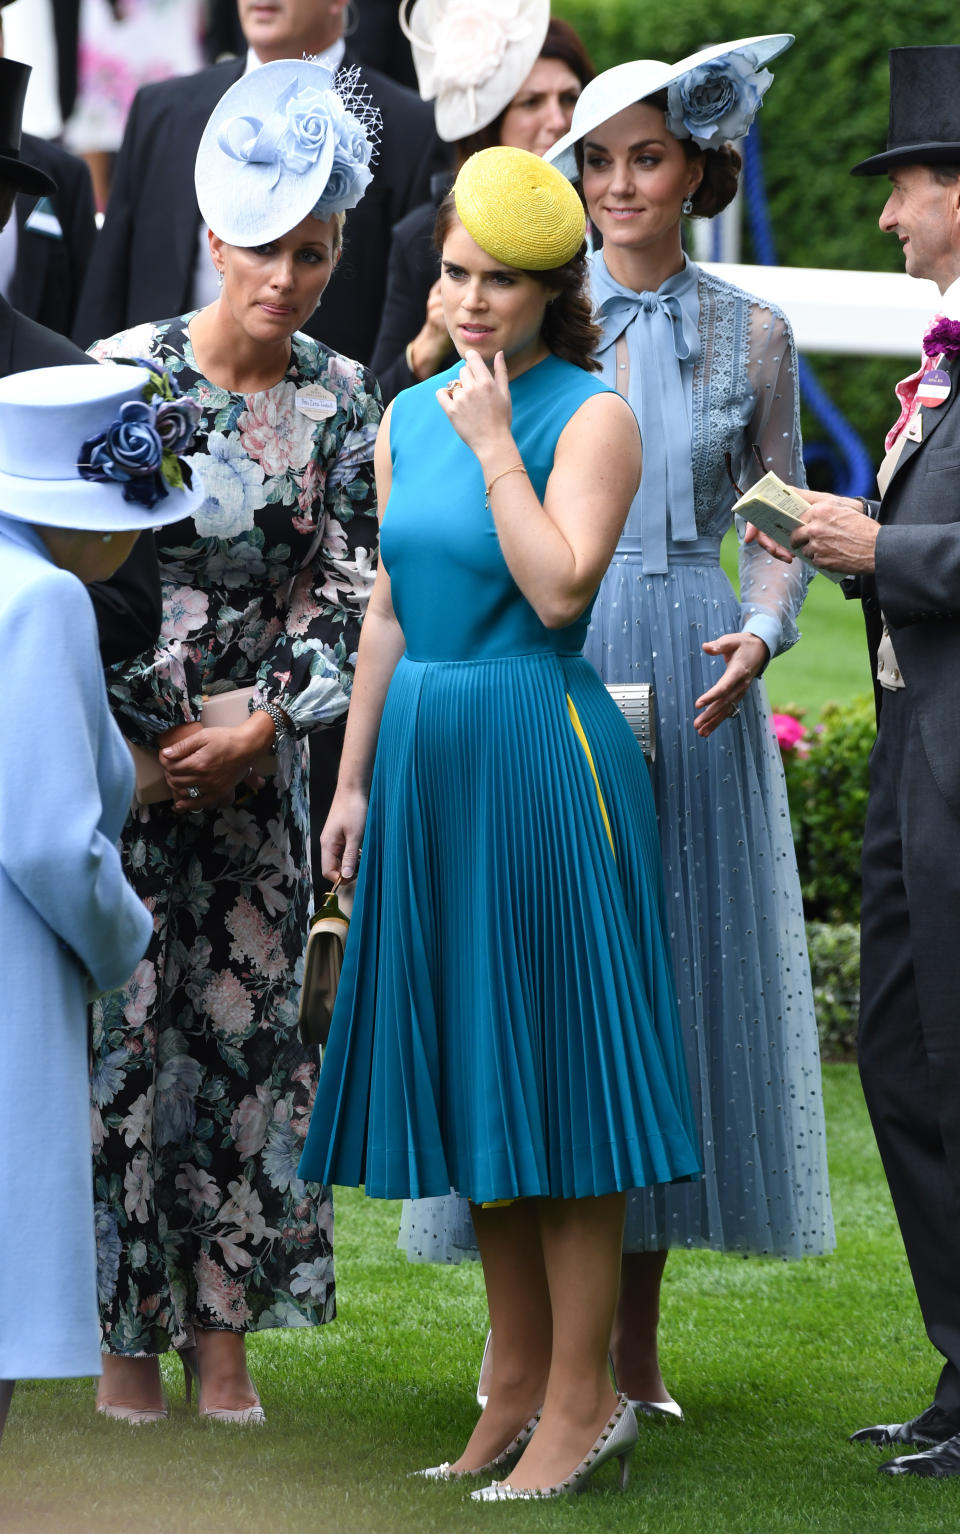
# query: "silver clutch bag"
(635, 702)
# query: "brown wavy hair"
(568, 326)
(561, 42)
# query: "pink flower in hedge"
(788, 730)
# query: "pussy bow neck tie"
(661, 336)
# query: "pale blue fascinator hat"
(287, 140)
(96, 448)
(712, 96)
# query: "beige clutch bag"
(222, 710)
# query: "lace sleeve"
(771, 592)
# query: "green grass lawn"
(830, 662)
(774, 1363)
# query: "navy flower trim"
(141, 449)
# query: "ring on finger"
(454, 384)
(193, 791)
(734, 710)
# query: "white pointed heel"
(667, 1408)
(616, 1441)
(504, 1461)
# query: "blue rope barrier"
(856, 472)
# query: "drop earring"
(219, 276)
(686, 207)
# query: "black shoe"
(943, 1459)
(933, 1426)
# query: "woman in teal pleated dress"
(506, 1023)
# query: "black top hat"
(13, 89)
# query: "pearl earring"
(219, 276)
(685, 207)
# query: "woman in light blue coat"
(82, 456)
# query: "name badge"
(934, 387)
(315, 403)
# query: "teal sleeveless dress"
(506, 1022)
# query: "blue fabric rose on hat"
(140, 449)
(717, 101)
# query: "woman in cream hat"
(497, 75)
(501, 1025)
(712, 374)
(202, 1087)
(84, 467)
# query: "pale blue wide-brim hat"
(287, 140)
(713, 95)
(95, 448)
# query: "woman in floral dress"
(201, 1088)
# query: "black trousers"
(909, 1043)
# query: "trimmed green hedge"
(826, 109)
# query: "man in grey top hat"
(904, 559)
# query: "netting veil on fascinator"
(472, 56)
(518, 209)
(286, 140)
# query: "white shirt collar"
(950, 301)
(332, 57)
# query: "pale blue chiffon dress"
(710, 370)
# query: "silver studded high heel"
(617, 1441)
(504, 1461)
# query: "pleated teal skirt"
(506, 1023)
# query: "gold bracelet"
(408, 358)
(515, 468)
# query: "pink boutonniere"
(943, 338)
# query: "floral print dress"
(201, 1089)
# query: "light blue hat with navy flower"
(96, 447)
(287, 140)
(712, 96)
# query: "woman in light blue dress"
(71, 926)
(505, 1021)
(711, 372)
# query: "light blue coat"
(70, 926)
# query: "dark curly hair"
(561, 42)
(568, 326)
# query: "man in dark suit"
(904, 556)
(128, 607)
(151, 259)
(54, 238)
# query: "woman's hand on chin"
(478, 403)
(745, 656)
(212, 761)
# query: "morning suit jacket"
(128, 606)
(143, 263)
(51, 267)
(916, 584)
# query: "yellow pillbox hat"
(519, 209)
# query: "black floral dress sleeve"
(267, 584)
